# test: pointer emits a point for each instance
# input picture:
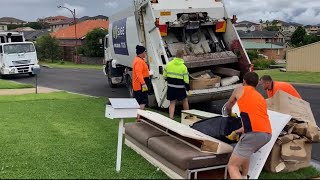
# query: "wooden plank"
(185, 131)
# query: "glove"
(144, 88)
(189, 93)
(233, 136)
(234, 115)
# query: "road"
(93, 82)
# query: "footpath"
(26, 91)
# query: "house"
(269, 50)
(312, 29)
(262, 36)
(11, 20)
(22, 29)
(62, 24)
(282, 25)
(248, 26)
(69, 40)
(287, 35)
(33, 35)
(304, 58)
(3, 27)
(98, 17)
(52, 19)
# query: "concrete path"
(26, 91)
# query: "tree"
(48, 48)
(298, 36)
(92, 47)
(272, 28)
(308, 39)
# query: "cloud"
(111, 4)
(300, 11)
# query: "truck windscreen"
(18, 48)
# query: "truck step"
(202, 60)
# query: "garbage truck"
(213, 52)
(16, 55)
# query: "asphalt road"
(93, 82)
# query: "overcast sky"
(300, 11)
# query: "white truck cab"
(16, 55)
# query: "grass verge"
(66, 136)
(298, 77)
(305, 173)
(67, 64)
(4, 84)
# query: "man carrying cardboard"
(273, 86)
(256, 128)
(177, 77)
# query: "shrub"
(252, 54)
(263, 63)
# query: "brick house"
(67, 37)
(272, 51)
(262, 36)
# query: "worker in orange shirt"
(140, 77)
(273, 86)
(256, 127)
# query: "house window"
(278, 52)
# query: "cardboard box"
(205, 83)
(276, 164)
(285, 103)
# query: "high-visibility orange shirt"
(139, 72)
(284, 86)
(253, 111)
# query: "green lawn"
(67, 64)
(298, 77)
(306, 173)
(66, 136)
(12, 85)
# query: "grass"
(12, 85)
(63, 136)
(298, 77)
(67, 64)
(66, 136)
(305, 173)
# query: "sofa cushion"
(141, 132)
(183, 155)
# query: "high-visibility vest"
(140, 71)
(253, 111)
(176, 70)
(283, 86)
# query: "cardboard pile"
(204, 80)
(292, 150)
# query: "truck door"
(107, 55)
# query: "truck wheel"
(129, 86)
(31, 74)
(111, 85)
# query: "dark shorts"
(176, 94)
(141, 97)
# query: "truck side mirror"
(35, 70)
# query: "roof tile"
(82, 29)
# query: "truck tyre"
(31, 74)
(129, 86)
(111, 85)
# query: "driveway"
(93, 82)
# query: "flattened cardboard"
(285, 103)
